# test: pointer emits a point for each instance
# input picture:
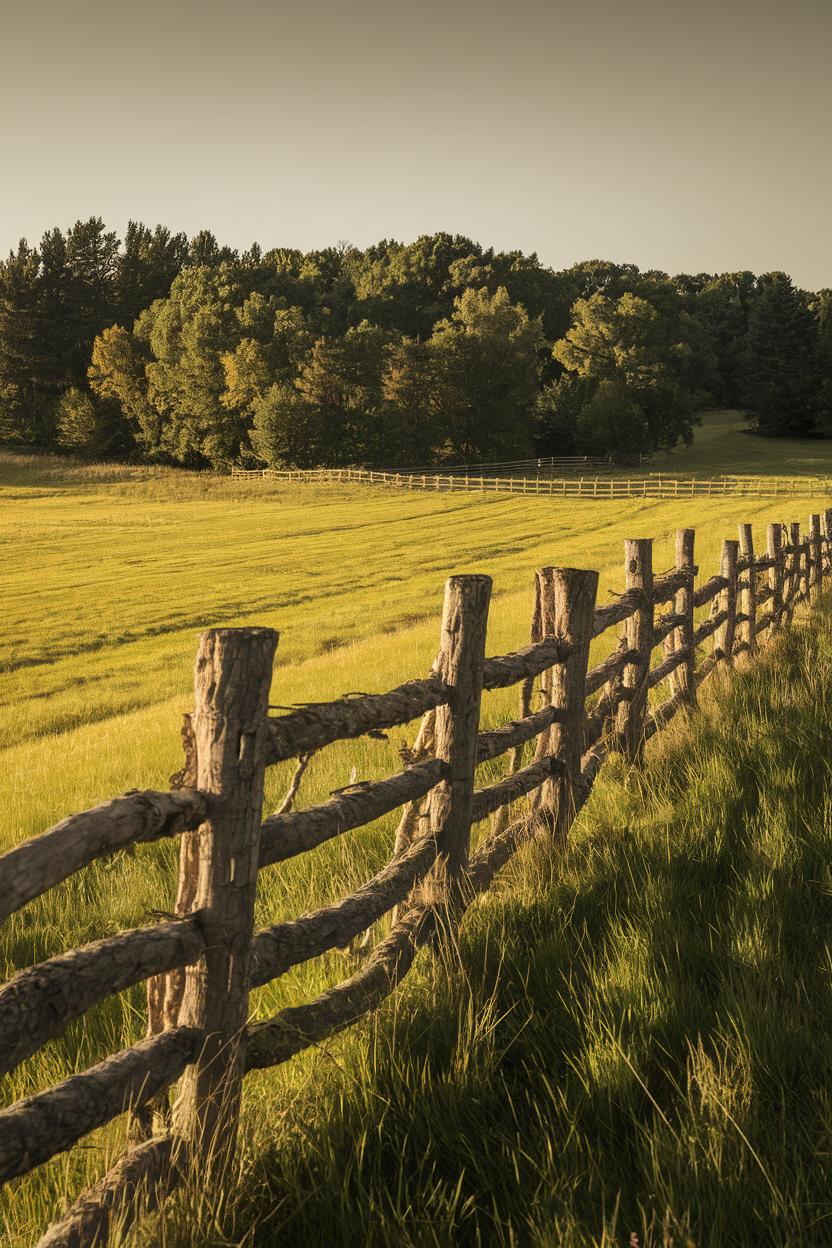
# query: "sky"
(685, 136)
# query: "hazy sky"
(679, 135)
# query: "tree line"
(182, 351)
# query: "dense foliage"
(188, 352)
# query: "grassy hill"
(109, 574)
(724, 444)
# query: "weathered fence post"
(827, 533)
(638, 554)
(218, 877)
(775, 574)
(724, 635)
(749, 600)
(459, 665)
(792, 589)
(816, 582)
(499, 820)
(684, 681)
(568, 609)
(806, 573)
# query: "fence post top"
(569, 575)
(249, 633)
(238, 642)
(468, 578)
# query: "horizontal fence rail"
(542, 466)
(599, 487)
(201, 963)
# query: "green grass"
(109, 574)
(724, 444)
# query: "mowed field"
(108, 576)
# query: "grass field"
(723, 444)
(108, 576)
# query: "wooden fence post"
(791, 587)
(724, 635)
(775, 575)
(568, 609)
(460, 665)
(816, 581)
(218, 876)
(499, 820)
(805, 568)
(684, 682)
(638, 554)
(749, 598)
(827, 533)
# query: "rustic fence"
(596, 487)
(201, 965)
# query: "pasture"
(723, 444)
(627, 1020)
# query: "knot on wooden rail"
(318, 724)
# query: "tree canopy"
(185, 351)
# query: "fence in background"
(201, 965)
(597, 487)
(542, 466)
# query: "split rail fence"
(201, 965)
(597, 487)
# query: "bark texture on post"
(499, 823)
(817, 557)
(806, 574)
(724, 635)
(218, 875)
(793, 570)
(683, 682)
(460, 666)
(827, 533)
(775, 574)
(748, 598)
(545, 608)
(638, 553)
(571, 592)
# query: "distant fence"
(201, 965)
(541, 466)
(596, 487)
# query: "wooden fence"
(597, 487)
(540, 466)
(201, 965)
